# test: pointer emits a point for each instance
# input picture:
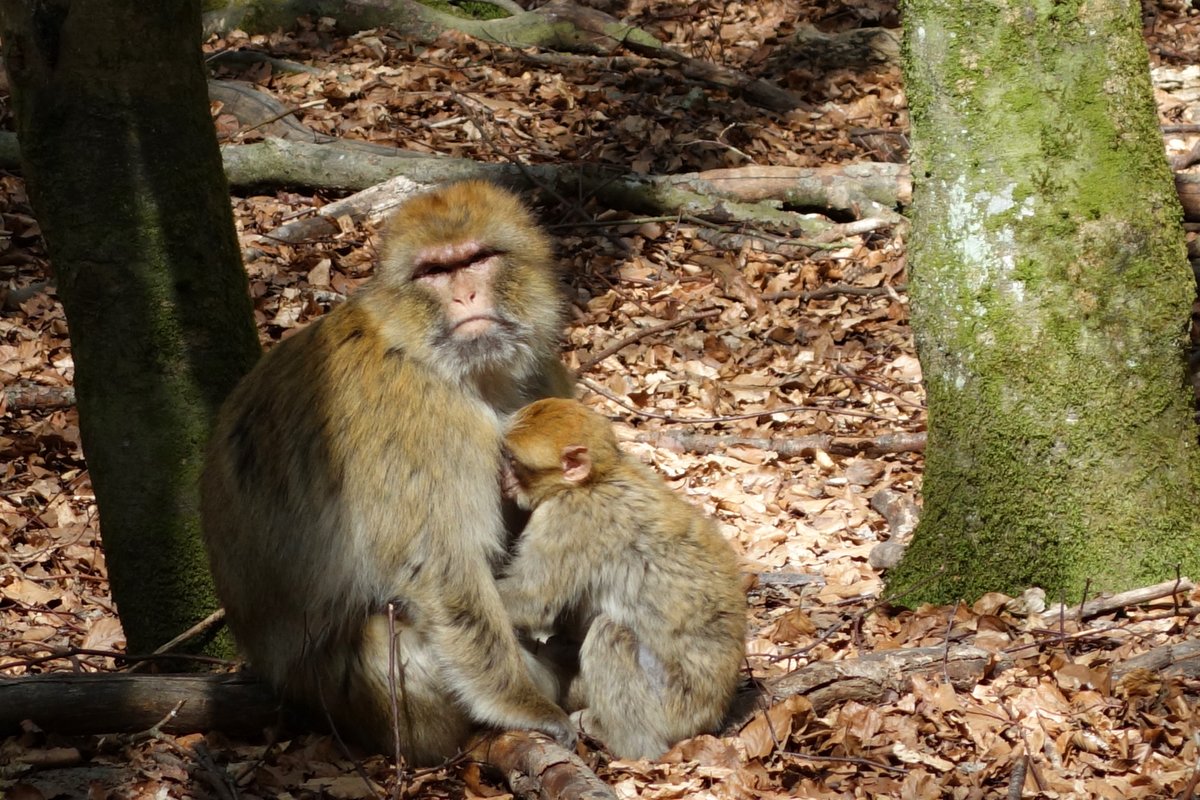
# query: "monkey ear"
(576, 463)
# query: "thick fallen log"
(558, 25)
(74, 703)
(534, 765)
(754, 196)
(239, 706)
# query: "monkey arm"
(552, 569)
(528, 608)
(481, 658)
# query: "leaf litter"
(748, 359)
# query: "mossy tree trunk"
(121, 162)
(1050, 298)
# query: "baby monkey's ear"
(576, 463)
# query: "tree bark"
(538, 767)
(123, 170)
(1050, 295)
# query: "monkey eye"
(426, 269)
(446, 262)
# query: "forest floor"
(760, 346)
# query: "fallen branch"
(789, 447)
(878, 677)
(370, 205)
(1187, 186)
(854, 48)
(881, 676)
(758, 195)
(557, 25)
(34, 397)
(11, 299)
(754, 90)
(1182, 658)
(757, 91)
(536, 766)
(616, 347)
(1103, 605)
(864, 189)
(833, 238)
(837, 290)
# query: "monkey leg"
(370, 697)
(553, 664)
(623, 687)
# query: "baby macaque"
(650, 579)
(355, 469)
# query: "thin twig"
(287, 112)
(595, 359)
(946, 636)
(55, 653)
(600, 390)
(211, 773)
(202, 627)
(836, 289)
(866, 762)
(397, 755)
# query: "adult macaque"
(357, 465)
(652, 580)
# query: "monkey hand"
(562, 731)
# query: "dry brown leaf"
(105, 634)
(344, 787)
(28, 592)
(771, 728)
(708, 751)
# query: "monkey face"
(460, 276)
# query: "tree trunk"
(1050, 297)
(121, 162)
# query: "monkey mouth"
(475, 325)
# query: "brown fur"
(356, 465)
(652, 579)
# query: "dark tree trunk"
(122, 167)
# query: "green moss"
(467, 9)
(141, 234)
(1049, 297)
